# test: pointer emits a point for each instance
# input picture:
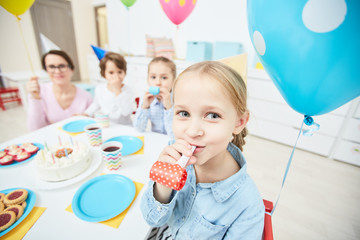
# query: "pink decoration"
(177, 10)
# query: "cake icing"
(54, 164)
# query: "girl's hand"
(165, 97)
(148, 98)
(33, 87)
(172, 153)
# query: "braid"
(239, 139)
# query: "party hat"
(100, 53)
(238, 63)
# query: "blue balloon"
(310, 49)
(100, 53)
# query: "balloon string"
(128, 10)
(26, 47)
(309, 122)
(176, 40)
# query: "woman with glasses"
(59, 99)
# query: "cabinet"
(272, 118)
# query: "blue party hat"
(100, 53)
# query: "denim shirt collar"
(222, 190)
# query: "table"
(21, 78)
(55, 222)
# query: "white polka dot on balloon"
(324, 15)
(259, 43)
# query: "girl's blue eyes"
(184, 114)
(213, 116)
(208, 116)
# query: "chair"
(268, 231)
(9, 94)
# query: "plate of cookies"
(15, 206)
(18, 153)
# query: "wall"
(211, 20)
(13, 56)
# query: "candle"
(66, 152)
(52, 155)
(46, 147)
(59, 140)
(71, 140)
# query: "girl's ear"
(241, 123)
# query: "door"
(53, 19)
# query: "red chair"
(9, 94)
(268, 231)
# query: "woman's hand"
(33, 87)
(165, 97)
(148, 98)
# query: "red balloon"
(177, 10)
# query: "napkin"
(70, 133)
(141, 150)
(20, 230)
(116, 221)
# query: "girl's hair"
(59, 53)
(167, 62)
(116, 58)
(232, 83)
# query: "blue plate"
(130, 144)
(103, 197)
(77, 126)
(15, 163)
(30, 202)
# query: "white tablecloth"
(55, 222)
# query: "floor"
(320, 198)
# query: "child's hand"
(171, 154)
(165, 97)
(33, 87)
(148, 98)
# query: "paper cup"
(111, 154)
(169, 175)
(102, 119)
(154, 90)
(93, 131)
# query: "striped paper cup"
(111, 154)
(93, 131)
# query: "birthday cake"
(62, 162)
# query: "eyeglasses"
(61, 67)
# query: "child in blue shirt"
(157, 108)
(219, 199)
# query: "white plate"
(94, 165)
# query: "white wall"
(13, 57)
(211, 20)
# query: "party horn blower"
(171, 175)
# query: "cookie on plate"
(2, 207)
(15, 197)
(6, 220)
(17, 209)
(2, 196)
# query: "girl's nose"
(195, 129)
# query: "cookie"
(2, 207)
(6, 220)
(15, 197)
(17, 209)
(24, 204)
(2, 196)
